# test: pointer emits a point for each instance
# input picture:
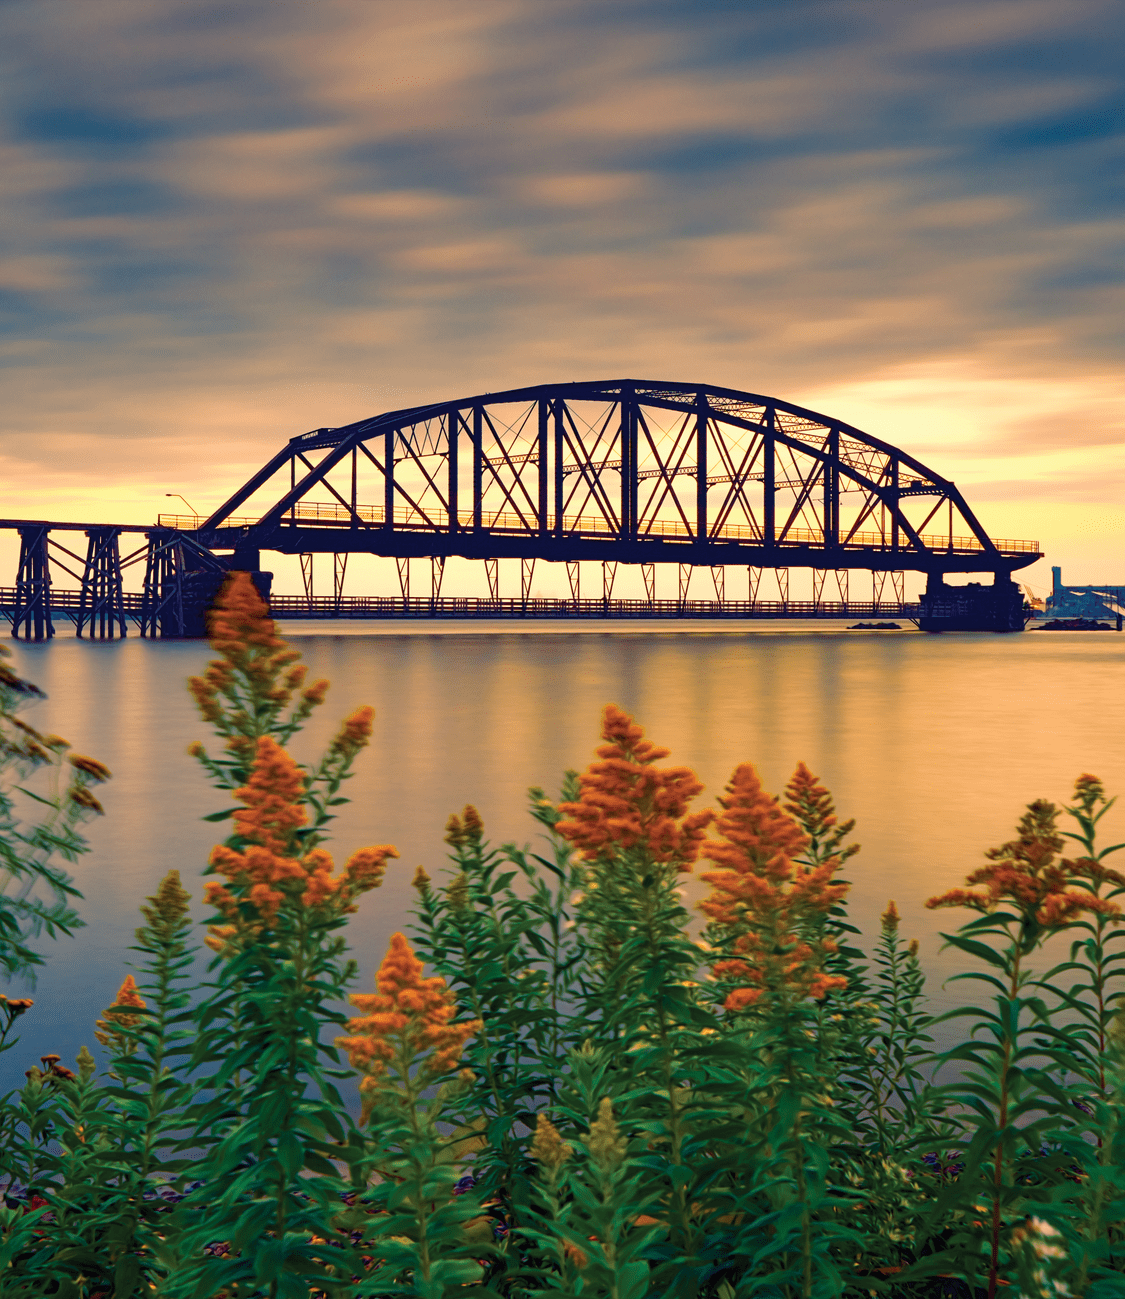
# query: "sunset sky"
(224, 224)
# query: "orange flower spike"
(252, 657)
(205, 699)
(127, 995)
(91, 767)
(267, 900)
(625, 801)
(314, 695)
(221, 898)
(107, 1030)
(1024, 871)
(240, 618)
(271, 866)
(755, 828)
(365, 869)
(355, 734)
(808, 801)
(812, 807)
(271, 796)
(766, 898)
(1088, 792)
(409, 1016)
(472, 824)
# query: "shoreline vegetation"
(564, 1088)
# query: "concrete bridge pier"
(973, 607)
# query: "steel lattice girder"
(622, 471)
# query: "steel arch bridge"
(622, 471)
(619, 471)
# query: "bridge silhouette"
(617, 472)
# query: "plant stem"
(998, 1163)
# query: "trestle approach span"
(622, 471)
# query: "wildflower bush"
(564, 1083)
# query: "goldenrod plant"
(566, 1082)
(1018, 1096)
(267, 1113)
(419, 1222)
(45, 796)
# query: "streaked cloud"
(225, 224)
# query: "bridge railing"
(327, 514)
(300, 607)
(65, 603)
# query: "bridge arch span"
(632, 471)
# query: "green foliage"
(509, 958)
(39, 822)
(269, 1119)
(425, 1239)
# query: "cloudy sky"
(225, 224)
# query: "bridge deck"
(66, 604)
(313, 514)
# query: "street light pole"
(194, 511)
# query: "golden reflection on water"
(933, 743)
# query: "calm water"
(934, 744)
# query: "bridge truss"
(623, 471)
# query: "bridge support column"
(574, 577)
(307, 578)
(162, 599)
(33, 587)
(719, 577)
(182, 579)
(245, 560)
(898, 588)
(609, 576)
(648, 572)
(755, 582)
(972, 607)
(782, 575)
(527, 572)
(842, 584)
(437, 572)
(818, 576)
(339, 572)
(102, 606)
(685, 582)
(492, 572)
(403, 566)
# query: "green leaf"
(980, 950)
(290, 1154)
(126, 1275)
